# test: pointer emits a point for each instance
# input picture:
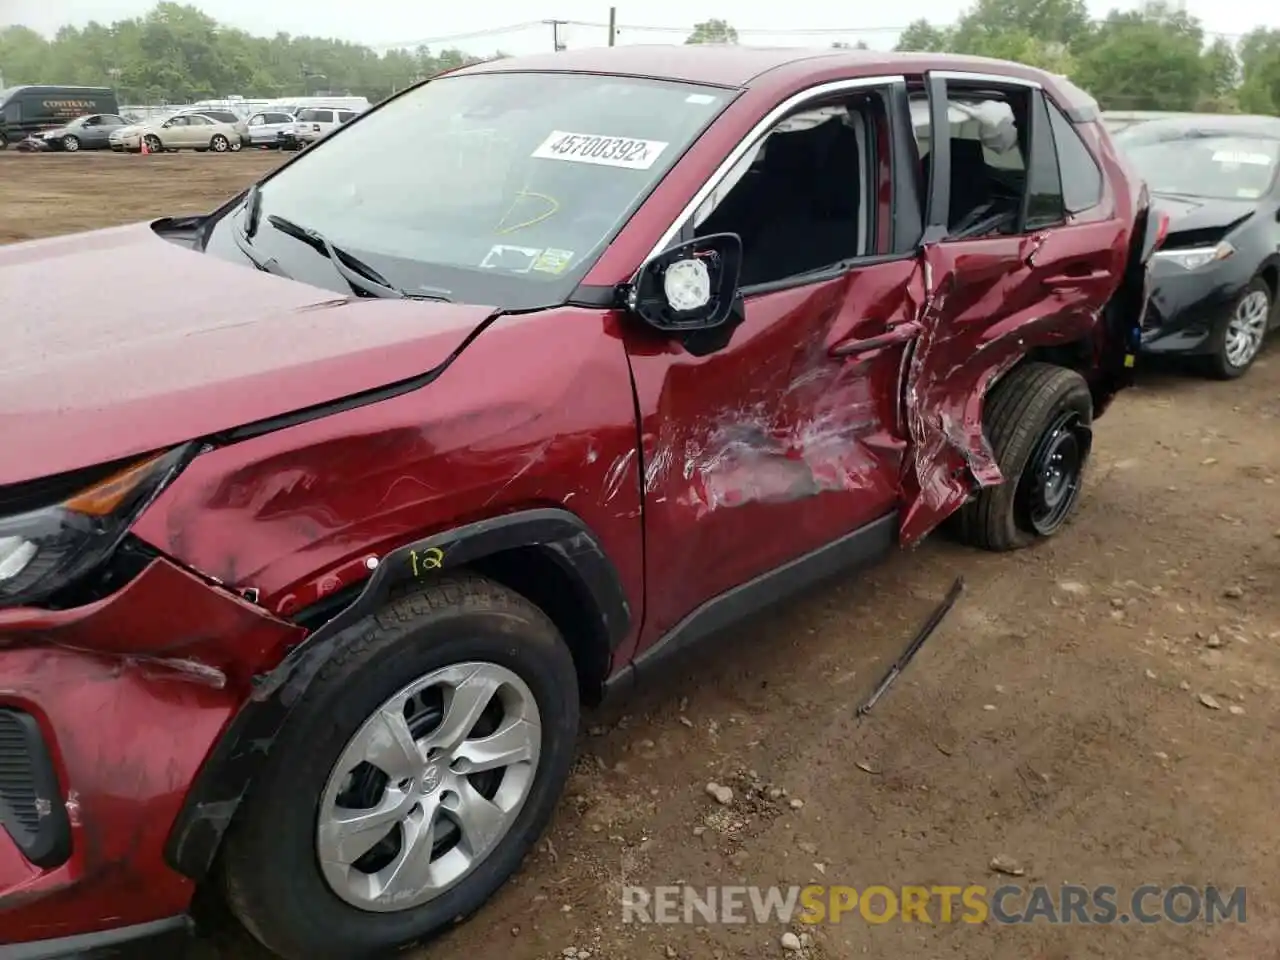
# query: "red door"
(779, 444)
(993, 301)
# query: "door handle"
(899, 333)
(1075, 279)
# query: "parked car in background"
(293, 105)
(32, 109)
(183, 131)
(1216, 277)
(301, 604)
(265, 128)
(312, 124)
(85, 133)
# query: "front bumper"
(126, 696)
(1187, 307)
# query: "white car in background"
(313, 123)
(266, 126)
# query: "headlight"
(44, 550)
(1192, 258)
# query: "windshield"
(1214, 167)
(502, 189)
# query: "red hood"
(117, 342)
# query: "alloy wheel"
(428, 786)
(1247, 328)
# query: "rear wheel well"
(536, 576)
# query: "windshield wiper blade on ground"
(361, 277)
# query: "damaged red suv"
(299, 600)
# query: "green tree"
(1052, 25)
(176, 53)
(713, 31)
(1260, 65)
(922, 36)
(1146, 59)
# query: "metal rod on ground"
(926, 631)
(613, 24)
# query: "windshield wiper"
(266, 266)
(252, 211)
(361, 277)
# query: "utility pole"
(556, 43)
(613, 24)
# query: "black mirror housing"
(691, 287)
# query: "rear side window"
(1044, 181)
(345, 115)
(1081, 178)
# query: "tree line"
(177, 54)
(1154, 58)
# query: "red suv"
(303, 582)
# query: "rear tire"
(219, 143)
(1038, 420)
(274, 878)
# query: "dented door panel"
(774, 446)
(992, 301)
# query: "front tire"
(1239, 339)
(1038, 420)
(71, 144)
(153, 144)
(486, 690)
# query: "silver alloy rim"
(71, 144)
(1247, 328)
(220, 145)
(430, 803)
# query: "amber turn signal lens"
(104, 497)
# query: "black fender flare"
(228, 772)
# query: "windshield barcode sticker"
(1231, 156)
(606, 151)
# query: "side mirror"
(691, 287)
(166, 125)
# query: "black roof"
(53, 88)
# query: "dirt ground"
(1057, 718)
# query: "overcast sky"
(512, 24)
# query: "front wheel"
(1038, 420)
(153, 143)
(412, 779)
(237, 146)
(1239, 340)
(71, 144)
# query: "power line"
(624, 28)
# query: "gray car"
(91, 132)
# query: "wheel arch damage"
(548, 555)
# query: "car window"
(503, 188)
(316, 116)
(200, 121)
(279, 118)
(257, 120)
(1045, 206)
(345, 115)
(988, 170)
(800, 198)
(111, 120)
(1204, 164)
(1081, 178)
(223, 116)
(179, 121)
